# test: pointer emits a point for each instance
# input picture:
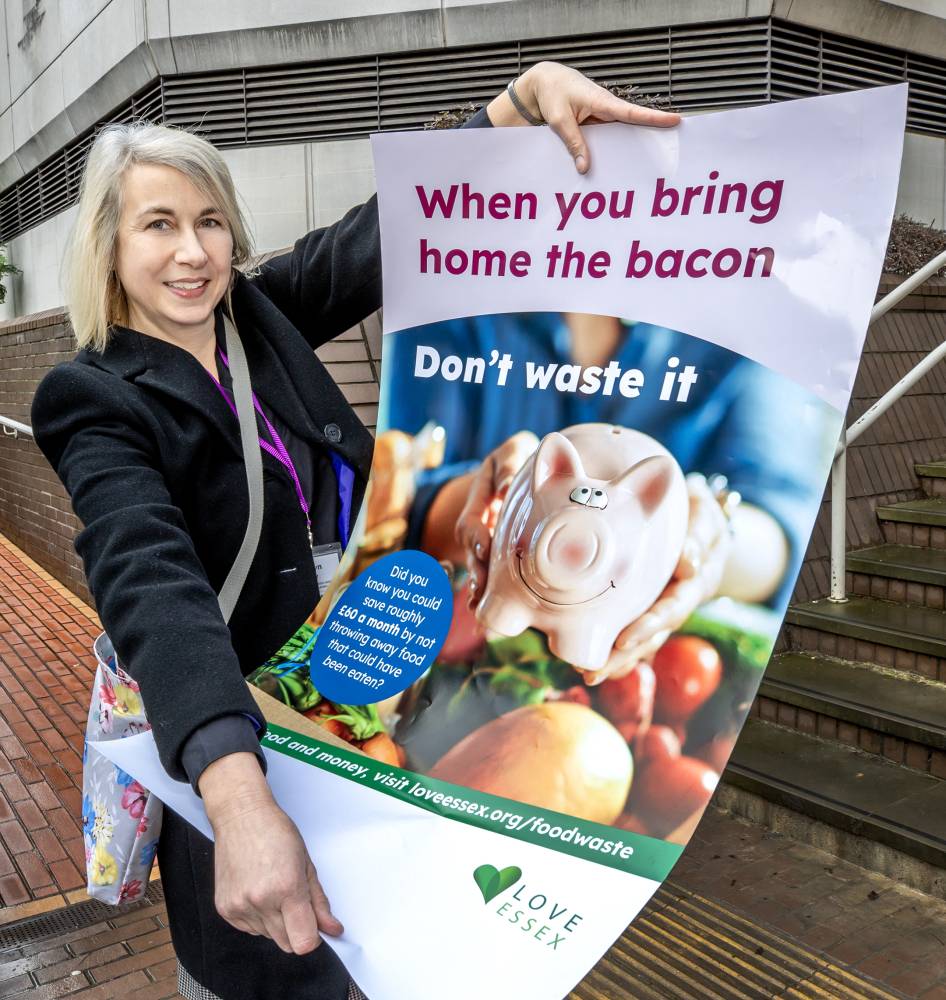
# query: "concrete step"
(932, 470)
(903, 636)
(915, 522)
(893, 572)
(932, 476)
(844, 788)
(898, 716)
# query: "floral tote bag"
(121, 820)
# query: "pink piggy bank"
(588, 536)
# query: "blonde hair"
(94, 294)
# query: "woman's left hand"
(696, 579)
(566, 99)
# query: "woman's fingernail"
(581, 163)
(479, 550)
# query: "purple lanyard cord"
(277, 449)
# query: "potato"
(559, 755)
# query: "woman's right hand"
(265, 881)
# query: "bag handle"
(253, 459)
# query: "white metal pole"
(838, 526)
(905, 287)
(894, 393)
(839, 469)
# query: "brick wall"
(880, 463)
(35, 512)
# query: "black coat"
(150, 454)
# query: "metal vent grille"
(412, 89)
(215, 103)
(54, 185)
(796, 63)
(701, 67)
(698, 67)
(59, 922)
(807, 62)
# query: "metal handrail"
(13, 428)
(848, 435)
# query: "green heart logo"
(492, 881)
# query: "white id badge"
(326, 559)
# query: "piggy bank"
(588, 536)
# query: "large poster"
(609, 407)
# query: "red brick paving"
(46, 669)
(126, 955)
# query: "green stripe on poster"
(602, 845)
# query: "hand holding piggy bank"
(588, 536)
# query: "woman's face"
(173, 256)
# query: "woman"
(141, 432)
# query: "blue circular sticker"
(385, 630)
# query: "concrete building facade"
(291, 90)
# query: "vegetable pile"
(286, 676)
(505, 716)
(643, 752)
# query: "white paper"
(415, 923)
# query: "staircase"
(847, 737)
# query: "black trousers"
(228, 962)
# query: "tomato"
(632, 732)
(630, 698)
(688, 671)
(666, 791)
(578, 694)
(716, 751)
(466, 636)
(628, 821)
(659, 743)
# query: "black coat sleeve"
(150, 588)
(218, 738)
(331, 279)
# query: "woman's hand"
(265, 882)
(566, 99)
(487, 489)
(695, 580)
